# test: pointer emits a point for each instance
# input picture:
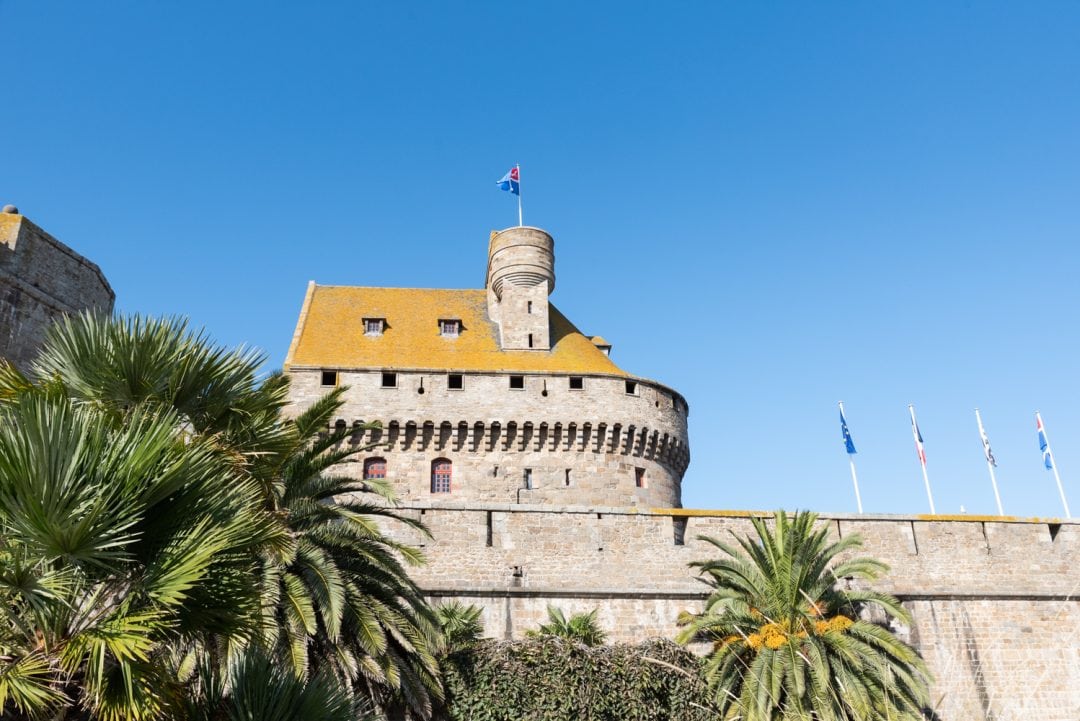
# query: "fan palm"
(336, 595)
(256, 688)
(789, 643)
(580, 627)
(461, 626)
(116, 542)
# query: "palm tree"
(117, 542)
(460, 625)
(339, 596)
(789, 643)
(257, 688)
(580, 627)
(320, 583)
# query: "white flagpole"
(1053, 465)
(989, 466)
(922, 455)
(520, 222)
(851, 460)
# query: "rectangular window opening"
(517, 383)
(455, 381)
(530, 340)
(639, 478)
(568, 476)
(329, 378)
(528, 478)
(631, 388)
(577, 383)
(450, 328)
(374, 326)
(389, 380)
(490, 533)
(528, 307)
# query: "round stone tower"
(520, 277)
(522, 257)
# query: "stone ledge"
(725, 513)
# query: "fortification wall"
(40, 280)
(993, 600)
(580, 446)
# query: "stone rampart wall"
(993, 600)
(596, 438)
(40, 280)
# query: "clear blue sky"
(768, 206)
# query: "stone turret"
(520, 277)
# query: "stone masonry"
(518, 404)
(566, 488)
(41, 279)
(994, 600)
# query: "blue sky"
(768, 206)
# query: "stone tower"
(520, 277)
(489, 395)
(41, 279)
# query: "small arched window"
(441, 470)
(374, 468)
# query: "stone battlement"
(575, 548)
(584, 445)
(994, 600)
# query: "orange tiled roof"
(330, 334)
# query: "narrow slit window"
(517, 383)
(639, 478)
(577, 383)
(530, 340)
(455, 381)
(329, 378)
(568, 476)
(528, 478)
(389, 380)
(528, 307)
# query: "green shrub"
(553, 679)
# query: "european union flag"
(848, 443)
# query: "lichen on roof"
(330, 334)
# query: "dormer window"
(374, 326)
(449, 327)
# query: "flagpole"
(922, 457)
(520, 221)
(851, 460)
(1053, 465)
(989, 465)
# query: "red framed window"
(374, 468)
(441, 470)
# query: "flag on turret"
(511, 181)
